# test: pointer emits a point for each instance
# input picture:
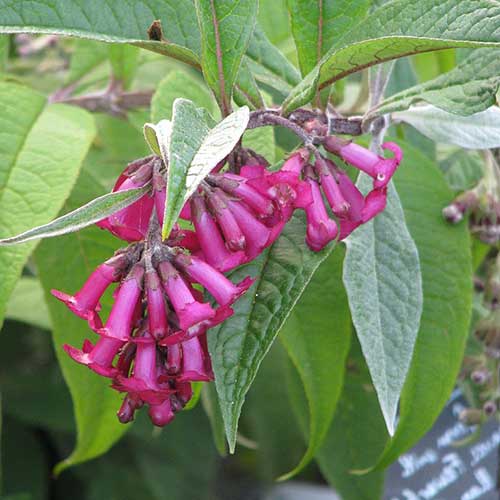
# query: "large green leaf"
(226, 27)
(317, 335)
(447, 285)
(239, 344)
(86, 56)
(356, 435)
(384, 286)
(194, 150)
(41, 151)
(401, 28)
(467, 89)
(267, 63)
(121, 21)
(27, 304)
(124, 60)
(317, 24)
(179, 84)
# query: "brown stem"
(113, 100)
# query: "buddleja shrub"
(223, 237)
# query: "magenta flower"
(380, 169)
(161, 414)
(157, 309)
(210, 238)
(131, 223)
(85, 303)
(189, 310)
(98, 357)
(120, 322)
(143, 383)
(195, 362)
(222, 289)
(233, 235)
(320, 228)
(238, 186)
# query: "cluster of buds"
(482, 203)
(153, 345)
(483, 368)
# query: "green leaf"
(246, 91)
(268, 63)
(447, 285)
(462, 169)
(27, 304)
(179, 84)
(118, 21)
(478, 131)
(467, 89)
(158, 138)
(317, 335)
(226, 27)
(41, 152)
(274, 20)
(383, 282)
(194, 150)
(197, 387)
(124, 62)
(86, 56)
(318, 24)
(238, 346)
(261, 140)
(94, 211)
(65, 263)
(212, 409)
(401, 28)
(279, 447)
(356, 436)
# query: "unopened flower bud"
(480, 377)
(490, 408)
(471, 416)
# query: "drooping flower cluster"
(154, 342)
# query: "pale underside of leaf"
(383, 284)
(478, 131)
(85, 216)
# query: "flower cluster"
(153, 344)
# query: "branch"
(113, 100)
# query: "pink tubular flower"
(211, 242)
(189, 310)
(238, 186)
(157, 311)
(380, 169)
(320, 228)
(143, 383)
(161, 414)
(235, 239)
(120, 322)
(131, 223)
(98, 357)
(223, 290)
(85, 303)
(195, 363)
